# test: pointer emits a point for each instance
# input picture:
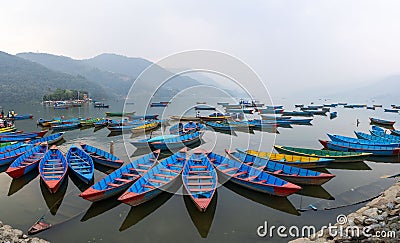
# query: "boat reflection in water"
(19, 183)
(275, 202)
(349, 166)
(202, 221)
(386, 159)
(54, 200)
(100, 207)
(138, 213)
(79, 183)
(315, 191)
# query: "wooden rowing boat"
(53, 169)
(200, 180)
(80, 163)
(381, 121)
(338, 156)
(338, 138)
(286, 172)
(119, 180)
(102, 157)
(9, 156)
(27, 162)
(293, 160)
(251, 177)
(351, 147)
(158, 179)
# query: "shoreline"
(379, 216)
(11, 235)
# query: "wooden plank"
(199, 184)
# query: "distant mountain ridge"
(113, 72)
(24, 81)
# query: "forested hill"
(25, 81)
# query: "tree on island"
(65, 94)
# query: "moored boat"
(80, 163)
(338, 156)
(68, 126)
(120, 113)
(53, 169)
(120, 179)
(27, 162)
(338, 138)
(158, 179)
(185, 118)
(351, 147)
(286, 172)
(9, 156)
(102, 157)
(381, 121)
(21, 136)
(391, 110)
(51, 139)
(146, 127)
(200, 180)
(293, 160)
(251, 177)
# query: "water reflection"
(54, 200)
(349, 166)
(138, 213)
(3, 168)
(100, 207)
(105, 169)
(275, 202)
(19, 183)
(79, 183)
(384, 159)
(315, 191)
(202, 221)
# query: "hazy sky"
(298, 43)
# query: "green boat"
(6, 144)
(90, 122)
(327, 154)
(120, 113)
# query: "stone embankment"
(378, 221)
(10, 235)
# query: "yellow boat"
(294, 160)
(145, 128)
(8, 129)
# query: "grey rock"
(397, 200)
(371, 213)
(390, 206)
(394, 212)
(369, 221)
(359, 219)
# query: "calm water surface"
(235, 213)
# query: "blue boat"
(200, 180)
(395, 132)
(158, 179)
(11, 147)
(22, 117)
(377, 129)
(351, 147)
(144, 143)
(8, 157)
(384, 135)
(51, 139)
(80, 163)
(102, 157)
(122, 178)
(68, 126)
(250, 177)
(333, 114)
(286, 172)
(366, 136)
(188, 127)
(269, 110)
(338, 138)
(391, 110)
(27, 162)
(296, 113)
(145, 117)
(21, 136)
(178, 142)
(53, 169)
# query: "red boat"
(53, 169)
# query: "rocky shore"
(10, 235)
(378, 221)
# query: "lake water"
(235, 213)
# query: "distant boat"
(120, 113)
(298, 105)
(344, 139)
(351, 147)
(185, 118)
(101, 105)
(391, 110)
(333, 114)
(159, 104)
(204, 108)
(381, 121)
(201, 102)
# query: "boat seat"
(174, 165)
(56, 176)
(251, 178)
(157, 181)
(138, 170)
(200, 183)
(53, 160)
(122, 180)
(113, 184)
(26, 163)
(240, 173)
(166, 176)
(169, 170)
(198, 177)
(278, 172)
(198, 167)
(53, 172)
(54, 168)
(230, 169)
(130, 175)
(144, 165)
(149, 186)
(222, 165)
(199, 171)
(201, 189)
(32, 159)
(180, 158)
